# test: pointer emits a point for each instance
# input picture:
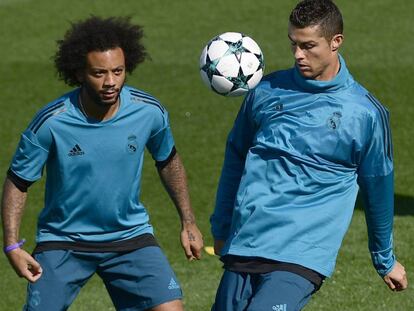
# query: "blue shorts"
(136, 280)
(273, 291)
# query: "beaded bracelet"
(9, 248)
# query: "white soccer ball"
(231, 64)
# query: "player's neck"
(330, 71)
(98, 111)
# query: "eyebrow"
(304, 42)
(105, 69)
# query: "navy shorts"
(273, 291)
(136, 280)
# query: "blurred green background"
(378, 49)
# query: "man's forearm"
(174, 180)
(12, 207)
(378, 195)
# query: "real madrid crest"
(334, 121)
(132, 145)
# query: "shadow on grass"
(403, 205)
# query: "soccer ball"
(231, 64)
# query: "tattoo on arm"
(12, 206)
(175, 182)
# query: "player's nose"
(110, 80)
(298, 53)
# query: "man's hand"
(218, 245)
(192, 241)
(396, 280)
(24, 265)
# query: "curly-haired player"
(91, 141)
(96, 34)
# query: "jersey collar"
(341, 81)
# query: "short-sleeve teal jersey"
(296, 157)
(93, 169)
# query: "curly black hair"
(98, 34)
(318, 12)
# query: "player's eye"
(118, 71)
(308, 46)
(97, 73)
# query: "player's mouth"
(303, 67)
(109, 95)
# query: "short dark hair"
(318, 12)
(98, 34)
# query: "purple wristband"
(9, 248)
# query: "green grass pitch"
(378, 48)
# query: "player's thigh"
(281, 291)
(63, 276)
(140, 280)
(234, 292)
(175, 305)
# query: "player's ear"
(336, 42)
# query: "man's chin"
(107, 102)
(306, 73)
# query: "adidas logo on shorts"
(173, 284)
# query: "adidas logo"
(281, 307)
(173, 284)
(76, 151)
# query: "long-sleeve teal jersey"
(298, 153)
(93, 181)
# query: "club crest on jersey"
(334, 121)
(132, 145)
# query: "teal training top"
(295, 158)
(93, 168)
